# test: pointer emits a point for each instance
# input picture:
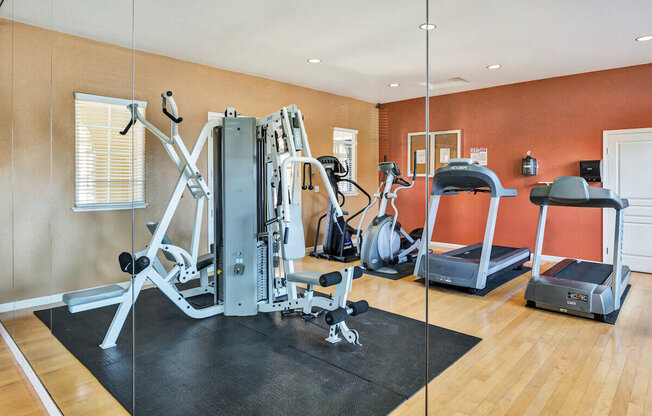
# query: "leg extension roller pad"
(336, 316)
(359, 307)
(340, 314)
(357, 272)
(330, 279)
(315, 278)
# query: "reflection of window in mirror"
(344, 143)
(109, 167)
(447, 145)
(417, 149)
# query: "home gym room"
(300, 208)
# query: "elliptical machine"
(336, 245)
(386, 243)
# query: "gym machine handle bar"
(131, 123)
(164, 96)
(402, 182)
(165, 108)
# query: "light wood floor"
(529, 362)
(17, 397)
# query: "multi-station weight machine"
(258, 230)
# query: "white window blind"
(344, 148)
(109, 167)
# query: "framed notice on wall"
(444, 146)
(479, 155)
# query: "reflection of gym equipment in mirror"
(469, 266)
(583, 288)
(336, 245)
(386, 243)
(258, 234)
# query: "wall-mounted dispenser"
(591, 170)
(529, 165)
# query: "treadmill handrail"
(591, 196)
(468, 177)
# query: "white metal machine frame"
(285, 125)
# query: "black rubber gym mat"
(493, 282)
(402, 270)
(585, 271)
(613, 316)
(264, 364)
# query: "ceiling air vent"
(446, 83)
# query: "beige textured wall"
(56, 249)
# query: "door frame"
(607, 237)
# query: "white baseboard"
(29, 372)
(451, 246)
(556, 259)
(319, 248)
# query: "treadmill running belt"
(496, 251)
(585, 271)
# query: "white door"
(628, 172)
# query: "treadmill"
(471, 266)
(584, 288)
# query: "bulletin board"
(447, 145)
(444, 146)
(417, 143)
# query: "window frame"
(354, 151)
(105, 206)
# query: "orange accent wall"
(560, 120)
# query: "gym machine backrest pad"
(463, 175)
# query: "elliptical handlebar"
(364, 212)
(401, 181)
(403, 184)
(414, 166)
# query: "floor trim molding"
(42, 393)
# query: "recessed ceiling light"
(494, 66)
(393, 84)
(427, 26)
(644, 38)
(314, 60)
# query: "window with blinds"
(109, 167)
(344, 144)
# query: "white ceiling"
(365, 44)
